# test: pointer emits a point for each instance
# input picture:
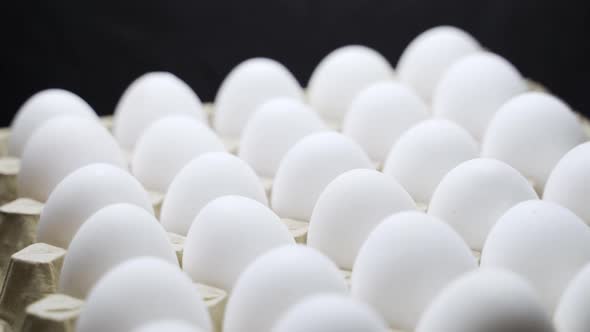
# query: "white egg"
(569, 182)
(111, 236)
(246, 87)
(541, 241)
(405, 262)
(169, 144)
(425, 153)
(141, 290)
(430, 54)
(341, 75)
(473, 88)
(168, 326)
(274, 282)
(148, 98)
(60, 146)
(39, 108)
(308, 167)
(349, 208)
(227, 234)
(379, 114)
(572, 311)
(273, 129)
(473, 195)
(531, 132)
(330, 312)
(80, 195)
(209, 176)
(487, 300)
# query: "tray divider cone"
(32, 273)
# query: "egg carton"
(29, 299)
(19, 216)
(32, 273)
(10, 166)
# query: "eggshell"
(341, 75)
(209, 176)
(572, 312)
(404, 263)
(138, 291)
(543, 242)
(473, 195)
(308, 167)
(531, 133)
(273, 129)
(60, 146)
(379, 114)
(39, 108)
(330, 312)
(486, 300)
(168, 326)
(227, 234)
(167, 145)
(569, 182)
(246, 87)
(274, 282)
(349, 208)
(111, 236)
(148, 98)
(430, 54)
(425, 153)
(80, 195)
(473, 88)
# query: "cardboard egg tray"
(29, 299)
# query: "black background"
(96, 48)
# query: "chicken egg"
(425, 153)
(379, 114)
(425, 60)
(206, 177)
(140, 290)
(169, 144)
(39, 108)
(148, 98)
(308, 167)
(473, 89)
(227, 234)
(111, 236)
(273, 129)
(246, 87)
(404, 263)
(274, 282)
(60, 146)
(349, 208)
(81, 194)
(543, 242)
(341, 75)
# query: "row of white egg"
(479, 300)
(317, 159)
(235, 230)
(305, 180)
(471, 91)
(413, 273)
(171, 142)
(431, 149)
